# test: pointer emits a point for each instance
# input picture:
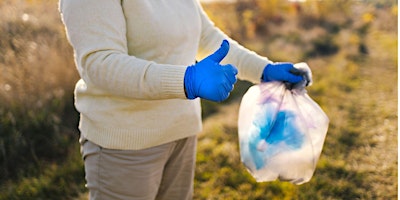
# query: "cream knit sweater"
(131, 56)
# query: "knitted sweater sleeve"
(96, 30)
(250, 65)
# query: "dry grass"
(356, 85)
(37, 119)
(35, 58)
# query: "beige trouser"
(161, 172)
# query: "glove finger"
(301, 73)
(297, 72)
(231, 79)
(232, 68)
(223, 94)
(220, 54)
(284, 65)
(227, 86)
(230, 73)
(293, 78)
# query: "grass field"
(351, 47)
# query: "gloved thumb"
(220, 54)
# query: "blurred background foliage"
(351, 47)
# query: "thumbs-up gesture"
(210, 80)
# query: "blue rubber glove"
(281, 72)
(210, 80)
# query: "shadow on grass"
(209, 107)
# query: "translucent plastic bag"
(281, 132)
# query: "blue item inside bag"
(281, 132)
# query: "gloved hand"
(304, 70)
(210, 80)
(281, 72)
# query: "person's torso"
(163, 31)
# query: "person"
(140, 90)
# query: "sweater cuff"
(256, 74)
(172, 85)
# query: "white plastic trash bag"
(281, 132)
